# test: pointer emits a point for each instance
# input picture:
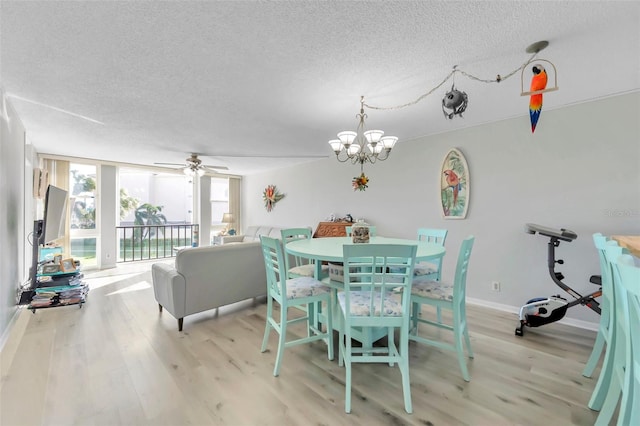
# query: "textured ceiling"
(144, 82)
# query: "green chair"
(605, 328)
(619, 374)
(375, 297)
(630, 283)
(295, 292)
(611, 251)
(431, 270)
(445, 296)
(297, 266)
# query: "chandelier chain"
(498, 79)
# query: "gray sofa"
(252, 234)
(205, 278)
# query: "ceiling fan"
(193, 165)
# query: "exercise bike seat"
(596, 279)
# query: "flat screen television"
(55, 214)
(49, 229)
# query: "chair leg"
(281, 340)
(329, 331)
(341, 343)
(457, 333)
(598, 346)
(180, 321)
(267, 327)
(311, 321)
(465, 331)
(391, 335)
(404, 369)
(415, 314)
(160, 307)
(468, 341)
(610, 402)
(605, 377)
(347, 362)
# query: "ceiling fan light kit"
(193, 170)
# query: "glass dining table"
(330, 250)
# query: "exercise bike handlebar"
(561, 234)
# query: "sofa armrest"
(169, 288)
(232, 239)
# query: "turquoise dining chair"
(372, 231)
(611, 251)
(293, 292)
(629, 413)
(377, 278)
(451, 296)
(433, 269)
(617, 390)
(606, 305)
(298, 266)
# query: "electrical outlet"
(495, 285)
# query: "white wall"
(580, 171)
(14, 261)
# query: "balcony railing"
(145, 242)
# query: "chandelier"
(362, 146)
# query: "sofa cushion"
(275, 233)
(263, 230)
(251, 231)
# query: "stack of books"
(71, 294)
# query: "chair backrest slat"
(608, 292)
(462, 266)
(294, 234)
(379, 270)
(432, 235)
(274, 264)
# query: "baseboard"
(493, 305)
(11, 325)
(587, 325)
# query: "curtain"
(234, 202)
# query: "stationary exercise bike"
(545, 310)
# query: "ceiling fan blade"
(269, 156)
(170, 164)
(215, 167)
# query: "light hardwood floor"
(118, 361)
